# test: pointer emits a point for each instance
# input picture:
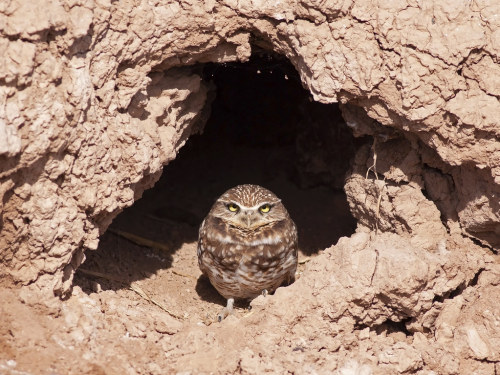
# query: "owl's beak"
(250, 218)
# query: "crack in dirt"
(459, 289)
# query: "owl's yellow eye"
(265, 208)
(233, 207)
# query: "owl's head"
(249, 207)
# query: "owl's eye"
(233, 207)
(265, 208)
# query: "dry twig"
(102, 275)
(134, 288)
(144, 295)
(141, 241)
(304, 260)
(183, 275)
(373, 167)
(379, 200)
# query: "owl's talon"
(226, 310)
(264, 292)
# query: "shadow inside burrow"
(208, 293)
(264, 129)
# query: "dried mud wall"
(96, 96)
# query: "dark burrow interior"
(264, 128)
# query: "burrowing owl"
(247, 244)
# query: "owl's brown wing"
(212, 250)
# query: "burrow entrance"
(264, 129)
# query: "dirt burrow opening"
(263, 128)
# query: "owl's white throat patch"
(270, 240)
(224, 239)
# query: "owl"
(247, 244)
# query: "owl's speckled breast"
(241, 264)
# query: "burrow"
(263, 127)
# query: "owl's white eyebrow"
(257, 205)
